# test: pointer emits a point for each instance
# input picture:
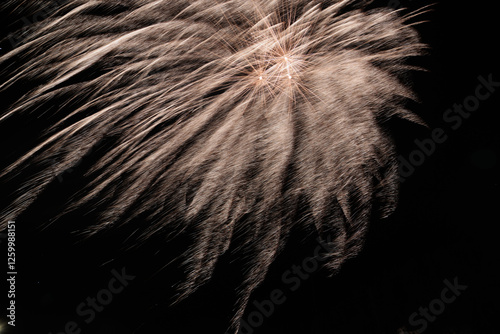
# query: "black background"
(444, 227)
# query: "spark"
(228, 121)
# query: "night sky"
(443, 231)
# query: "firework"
(228, 120)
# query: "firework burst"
(224, 120)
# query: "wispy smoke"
(229, 120)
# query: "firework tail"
(229, 120)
